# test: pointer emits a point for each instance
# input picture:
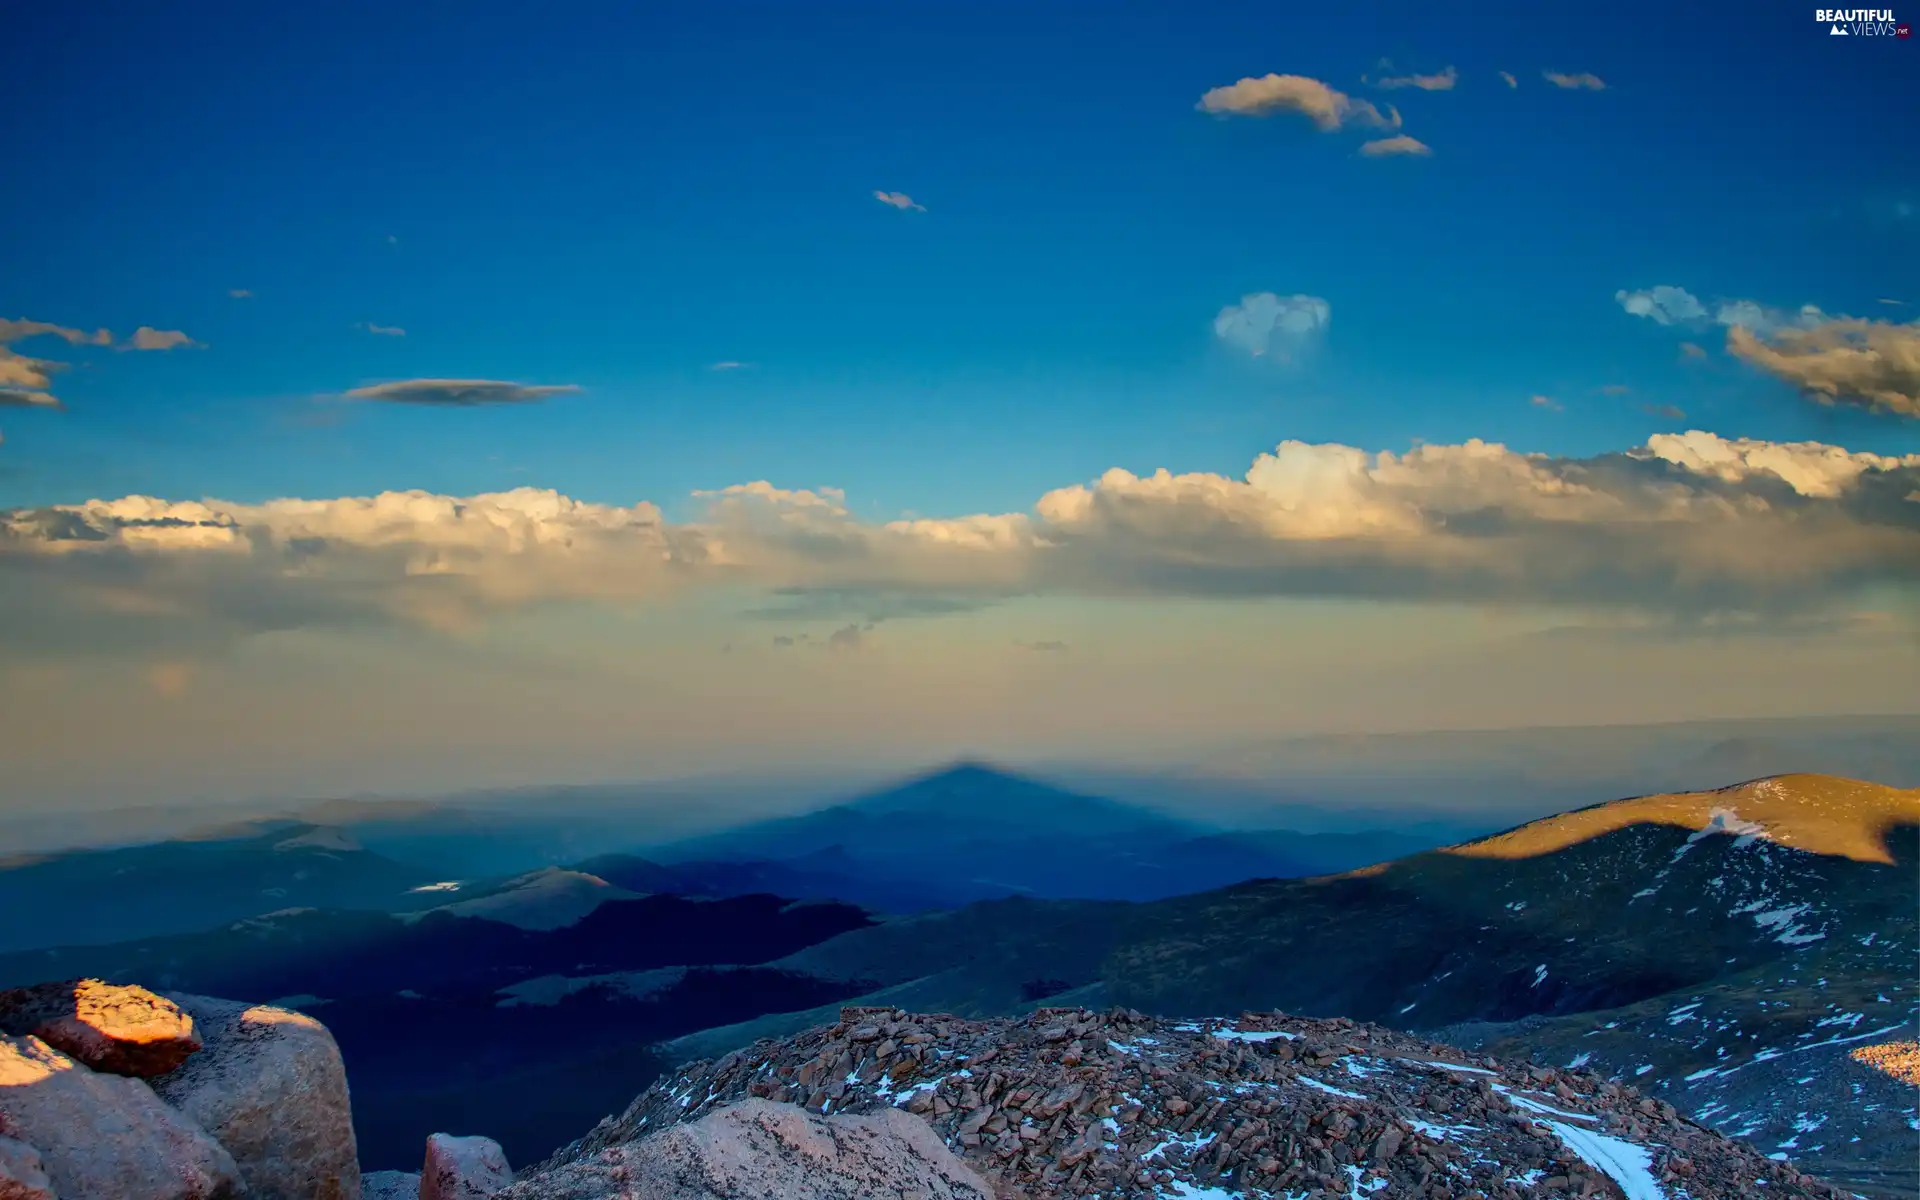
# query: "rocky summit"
(1073, 1102)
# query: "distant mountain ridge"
(1767, 895)
(101, 896)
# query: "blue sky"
(948, 259)
(617, 197)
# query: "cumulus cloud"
(1264, 322)
(1866, 364)
(1440, 81)
(1327, 107)
(1582, 80)
(148, 338)
(899, 200)
(458, 393)
(381, 330)
(1664, 304)
(1689, 523)
(1510, 80)
(1399, 144)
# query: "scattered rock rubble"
(1120, 1106)
(758, 1150)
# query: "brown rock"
(463, 1168)
(109, 1027)
(104, 1135)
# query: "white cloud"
(729, 365)
(1440, 81)
(240, 293)
(458, 393)
(1687, 523)
(1329, 108)
(1664, 304)
(1264, 322)
(899, 200)
(1510, 80)
(381, 330)
(148, 338)
(1397, 145)
(1548, 403)
(1584, 80)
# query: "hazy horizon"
(772, 396)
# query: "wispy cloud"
(1614, 389)
(1327, 107)
(1548, 403)
(1583, 80)
(1666, 412)
(899, 200)
(1400, 144)
(1510, 80)
(1043, 647)
(381, 330)
(1847, 361)
(148, 338)
(1264, 322)
(20, 331)
(1692, 350)
(1831, 358)
(240, 293)
(1440, 81)
(1895, 303)
(729, 365)
(458, 393)
(26, 381)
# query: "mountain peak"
(1819, 814)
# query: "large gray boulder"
(110, 1027)
(269, 1084)
(106, 1135)
(759, 1150)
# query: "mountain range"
(1725, 950)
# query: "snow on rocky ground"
(1070, 1102)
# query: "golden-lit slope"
(1821, 814)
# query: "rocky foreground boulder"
(103, 1135)
(234, 1101)
(119, 1030)
(1118, 1105)
(271, 1087)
